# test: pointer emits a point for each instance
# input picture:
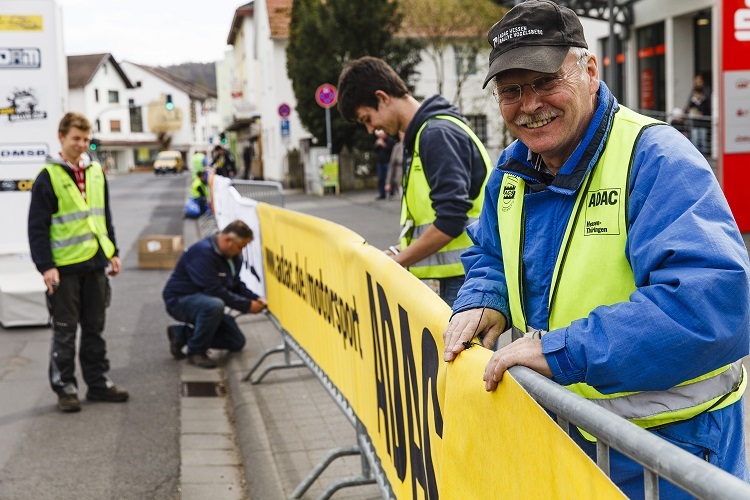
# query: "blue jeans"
(382, 171)
(449, 288)
(212, 328)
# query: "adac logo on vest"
(510, 186)
(603, 212)
(604, 197)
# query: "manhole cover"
(203, 389)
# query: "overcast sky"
(151, 32)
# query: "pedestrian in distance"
(382, 149)
(72, 243)
(204, 282)
(606, 245)
(223, 162)
(698, 110)
(445, 169)
(395, 168)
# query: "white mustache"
(537, 117)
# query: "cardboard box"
(159, 251)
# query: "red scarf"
(80, 175)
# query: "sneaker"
(110, 395)
(175, 345)
(68, 403)
(201, 360)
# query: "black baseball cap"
(533, 35)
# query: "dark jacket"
(43, 206)
(203, 269)
(452, 163)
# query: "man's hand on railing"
(483, 322)
(524, 352)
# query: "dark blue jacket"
(203, 269)
(451, 161)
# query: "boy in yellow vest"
(72, 242)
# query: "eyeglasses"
(542, 86)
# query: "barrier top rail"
(270, 192)
(661, 457)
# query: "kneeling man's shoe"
(175, 345)
(110, 395)
(201, 360)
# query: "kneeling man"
(205, 280)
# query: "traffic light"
(169, 104)
(223, 138)
(94, 144)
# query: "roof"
(195, 91)
(245, 10)
(82, 68)
(279, 17)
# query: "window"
(651, 79)
(466, 60)
(114, 126)
(136, 118)
(478, 124)
(114, 96)
(96, 95)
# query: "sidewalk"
(288, 423)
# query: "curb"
(261, 472)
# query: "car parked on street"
(168, 161)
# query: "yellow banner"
(20, 23)
(376, 332)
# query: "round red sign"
(326, 95)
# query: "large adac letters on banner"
(376, 332)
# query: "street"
(107, 450)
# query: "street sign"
(326, 96)
(284, 129)
(285, 110)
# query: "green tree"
(323, 37)
(446, 24)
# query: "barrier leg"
(365, 478)
(288, 363)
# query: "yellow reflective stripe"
(71, 241)
(441, 258)
(71, 217)
(418, 230)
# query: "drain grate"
(203, 389)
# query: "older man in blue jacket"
(607, 246)
(204, 282)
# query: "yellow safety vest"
(79, 226)
(594, 246)
(195, 191)
(417, 213)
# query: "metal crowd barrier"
(270, 192)
(658, 457)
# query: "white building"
(194, 113)
(124, 101)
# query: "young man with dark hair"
(72, 242)
(204, 282)
(445, 169)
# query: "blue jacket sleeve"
(453, 165)
(690, 311)
(483, 262)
